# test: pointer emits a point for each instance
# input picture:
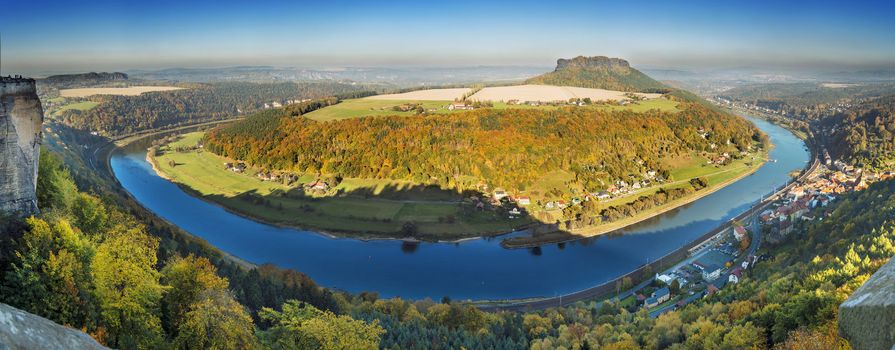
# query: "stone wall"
(21, 117)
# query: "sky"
(72, 36)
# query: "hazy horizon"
(59, 37)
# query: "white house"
(739, 232)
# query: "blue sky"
(116, 35)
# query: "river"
(473, 269)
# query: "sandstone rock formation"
(22, 330)
(589, 62)
(867, 318)
(21, 117)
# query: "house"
(735, 275)
(499, 194)
(739, 232)
(603, 195)
(661, 295)
(785, 227)
(238, 168)
(711, 272)
(523, 200)
(665, 278)
(515, 212)
(318, 186)
(456, 106)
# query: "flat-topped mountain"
(599, 72)
(91, 78)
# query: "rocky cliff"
(21, 117)
(591, 62)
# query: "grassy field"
(81, 106)
(203, 173)
(364, 107)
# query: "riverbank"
(472, 270)
(434, 218)
(574, 234)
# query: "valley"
(587, 192)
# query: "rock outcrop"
(599, 72)
(867, 318)
(591, 62)
(22, 330)
(21, 117)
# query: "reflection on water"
(474, 269)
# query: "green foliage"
(128, 288)
(187, 277)
(302, 326)
(216, 321)
(55, 187)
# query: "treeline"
(864, 134)
(503, 148)
(118, 115)
(86, 264)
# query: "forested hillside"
(84, 79)
(601, 73)
(503, 148)
(118, 115)
(87, 264)
(864, 134)
(806, 100)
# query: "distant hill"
(599, 72)
(91, 78)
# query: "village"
(728, 256)
(833, 178)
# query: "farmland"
(126, 91)
(547, 93)
(379, 106)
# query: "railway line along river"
(473, 269)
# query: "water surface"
(474, 269)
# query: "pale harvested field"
(128, 91)
(425, 95)
(547, 93)
(837, 85)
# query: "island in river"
(558, 171)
